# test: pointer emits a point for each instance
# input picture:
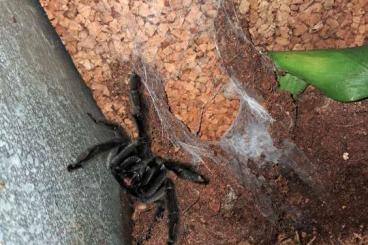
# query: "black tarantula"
(138, 170)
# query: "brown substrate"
(300, 24)
(221, 213)
(224, 213)
(334, 136)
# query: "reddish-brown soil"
(224, 212)
(335, 136)
(332, 135)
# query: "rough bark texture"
(43, 127)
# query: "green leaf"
(292, 84)
(341, 74)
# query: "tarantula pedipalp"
(138, 171)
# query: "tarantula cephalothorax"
(138, 171)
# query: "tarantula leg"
(159, 194)
(135, 104)
(93, 151)
(155, 183)
(172, 212)
(110, 125)
(129, 149)
(184, 172)
(129, 163)
(158, 215)
(150, 172)
(139, 166)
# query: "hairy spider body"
(138, 171)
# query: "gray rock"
(43, 127)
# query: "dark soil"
(329, 131)
(219, 213)
(333, 135)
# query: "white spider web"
(247, 138)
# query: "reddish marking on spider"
(128, 182)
